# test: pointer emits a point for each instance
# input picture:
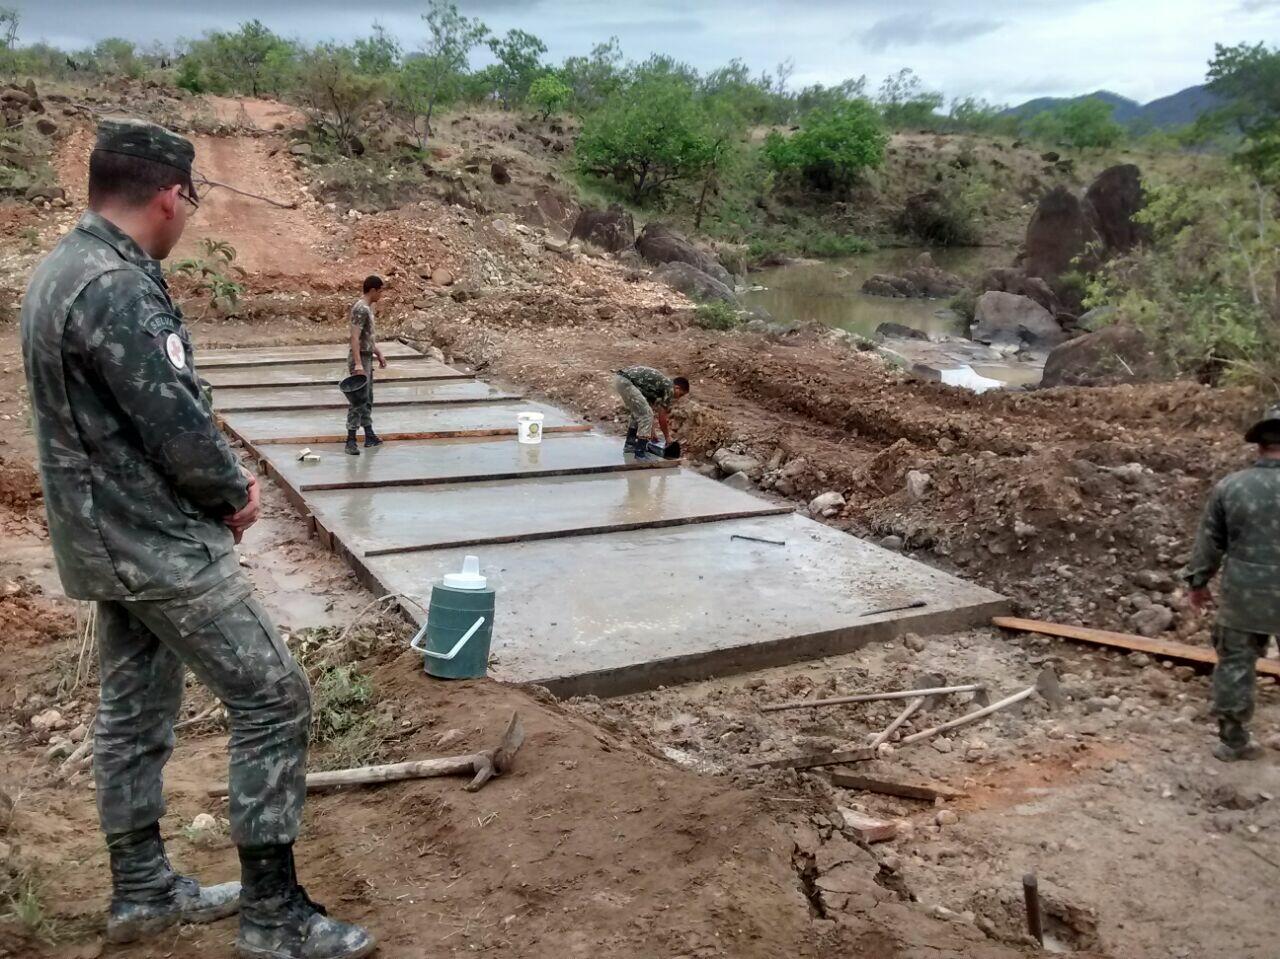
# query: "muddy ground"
(633, 827)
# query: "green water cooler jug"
(455, 640)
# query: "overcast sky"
(1005, 50)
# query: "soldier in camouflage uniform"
(145, 501)
(1241, 523)
(645, 390)
(364, 350)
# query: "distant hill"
(1178, 109)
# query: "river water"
(830, 292)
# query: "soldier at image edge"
(1240, 534)
(145, 501)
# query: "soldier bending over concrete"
(645, 391)
(1241, 524)
(145, 500)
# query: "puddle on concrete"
(831, 293)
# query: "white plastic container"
(530, 425)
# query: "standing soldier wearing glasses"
(145, 501)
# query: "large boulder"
(695, 284)
(613, 229)
(1114, 354)
(924, 279)
(660, 244)
(1007, 279)
(1060, 231)
(1006, 319)
(1114, 197)
(886, 284)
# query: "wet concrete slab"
(407, 370)
(394, 423)
(621, 612)
(274, 355)
(395, 520)
(430, 462)
(330, 397)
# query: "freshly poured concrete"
(372, 522)
(627, 611)
(393, 423)
(277, 355)
(384, 394)
(426, 462)
(327, 372)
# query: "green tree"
(1081, 124)
(648, 134)
(378, 54)
(246, 60)
(519, 56)
(975, 115)
(10, 20)
(832, 146)
(435, 75)
(335, 95)
(905, 102)
(594, 78)
(116, 55)
(190, 75)
(1248, 77)
(549, 94)
(752, 97)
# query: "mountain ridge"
(1176, 109)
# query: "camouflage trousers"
(220, 632)
(1233, 681)
(639, 408)
(360, 413)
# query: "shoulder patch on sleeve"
(160, 321)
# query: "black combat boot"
(351, 448)
(147, 896)
(1235, 743)
(279, 921)
(630, 443)
(370, 437)
(642, 448)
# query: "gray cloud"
(912, 29)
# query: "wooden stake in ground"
(483, 766)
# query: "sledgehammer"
(1046, 687)
(483, 766)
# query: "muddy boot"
(629, 444)
(371, 438)
(279, 921)
(1235, 743)
(642, 449)
(352, 449)
(147, 896)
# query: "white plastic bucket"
(530, 426)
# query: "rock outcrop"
(1114, 354)
(1008, 279)
(613, 229)
(923, 279)
(1113, 199)
(660, 244)
(1060, 230)
(695, 284)
(1009, 320)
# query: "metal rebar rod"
(1031, 893)
(872, 697)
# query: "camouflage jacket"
(653, 386)
(136, 474)
(1241, 522)
(362, 320)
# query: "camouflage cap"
(147, 141)
(1271, 418)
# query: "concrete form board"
(394, 423)
(278, 355)
(327, 372)
(465, 459)
(622, 612)
(328, 396)
(372, 522)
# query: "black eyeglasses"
(190, 194)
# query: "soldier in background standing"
(1241, 524)
(145, 501)
(364, 350)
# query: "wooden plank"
(927, 792)
(813, 760)
(1138, 644)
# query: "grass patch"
(344, 724)
(25, 910)
(370, 183)
(717, 316)
(810, 242)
